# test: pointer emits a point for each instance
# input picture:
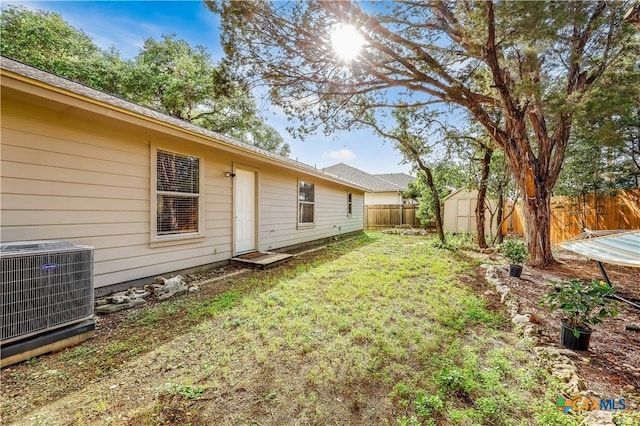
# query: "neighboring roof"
(401, 179)
(373, 183)
(26, 73)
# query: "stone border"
(556, 360)
(165, 288)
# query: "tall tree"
(431, 188)
(168, 75)
(502, 188)
(46, 41)
(477, 149)
(604, 155)
(183, 81)
(412, 136)
(535, 63)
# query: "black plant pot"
(515, 270)
(569, 341)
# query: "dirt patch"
(611, 366)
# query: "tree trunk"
(500, 213)
(482, 195)
(499, 236)
(436, 203)
(537, 214)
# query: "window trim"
(156, 240)
(349, 204)
(299, 203)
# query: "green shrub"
(581, 304)
(515, 251)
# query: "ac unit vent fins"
(44, 285)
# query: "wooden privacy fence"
(381, 216)
(619, 211)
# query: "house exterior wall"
(382, 198)
(84, 175)
(278, 210)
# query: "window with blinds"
(178, 193)
(306, 202)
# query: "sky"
(126, 24)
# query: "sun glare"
(346, 41)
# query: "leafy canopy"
(523, 70)
(168, 75)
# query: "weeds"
(149, 319)
(81, 351)
(456, 241)
(186, 391)
(428, 405)
(212, 307)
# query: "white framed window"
(178, 195)
(349, 203)
(306, 203)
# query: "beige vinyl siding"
(382, 198)
(278, 210)
(217, 200)
(34, 186)
(80, 172)
(67, 178)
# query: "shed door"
(462, 223)
(245, 211)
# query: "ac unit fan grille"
(44, 291)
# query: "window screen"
(178, 193)
(306, 202)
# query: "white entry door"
(245, 211)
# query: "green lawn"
(386, 333)
(380, 329)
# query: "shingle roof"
(119, 103)
(401, 179)
(375, 183)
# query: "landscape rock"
(118, 299)
(163, 288)
(115, 307)
(556, 360)
(172, 287)
(520, 319)
(599, 418)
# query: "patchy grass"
(376, 330)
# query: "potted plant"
(516, 252)
(581, 305)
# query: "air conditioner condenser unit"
(46, 297)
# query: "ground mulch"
(611, 366)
